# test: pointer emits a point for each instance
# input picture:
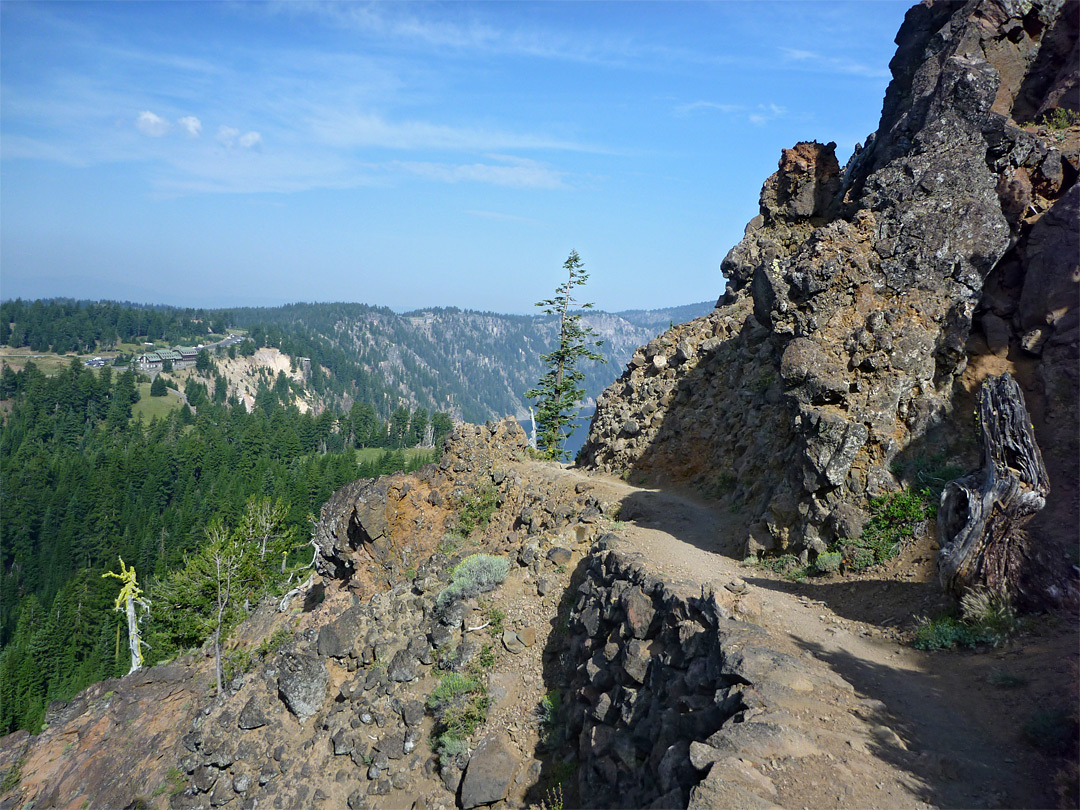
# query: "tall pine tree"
(558, 393)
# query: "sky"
(410, 154)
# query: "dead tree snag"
(982, 514)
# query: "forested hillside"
(82, 484)
(64, 325)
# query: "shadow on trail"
(884, 603)
(921, 726)
(687, 518)
(557, 782)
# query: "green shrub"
(723, 484)
(991, 613)
(778, 565)
(895, 518)
(474, 575)
(484, 660)
(237, 662)
(13, 776)
(459, 704)
(548, 712)
(787, 565)
(1005, 680)
(450, 544)
(477, 508)
(243, 660)
(1060, 118)
(496, 619)
(828, 562)
(944, 633)
(553, 798)
(986, 619)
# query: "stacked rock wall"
(668, 690)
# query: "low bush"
(991, 613)
(548, 712)
(895, 518)
(1005, 680)
(944, 633)
(1060, 118)
(459, 704)
(474, 575)
(828, 562)
(477, 508)
(1053, 731)
(986, 618)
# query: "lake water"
(577, 438)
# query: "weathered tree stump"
(982, 514)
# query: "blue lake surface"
(577, 438)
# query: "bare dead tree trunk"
(982, 514)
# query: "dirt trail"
(957, 736)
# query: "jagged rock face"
(853, 294)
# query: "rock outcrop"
(857, 295)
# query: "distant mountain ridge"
(475, 365)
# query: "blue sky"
(409, 155)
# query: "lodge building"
(181, 357)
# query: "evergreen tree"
(202, 362)
(157, 387)
(441, 425)
(559, 391)
(201, 597)
(418, 426)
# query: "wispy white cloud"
(373, 130)
(467, 33)
(813, 61)
(230, 136)
(757, 115)
(685, 109)
(191, 125)
(766, 113)
(523, 174)
(151, 125)
(227, 136)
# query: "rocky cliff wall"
(858, 295)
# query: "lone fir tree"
(558, 393)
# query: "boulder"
(302, 684)
(252, 715)
(402, 667)
(512, 642)
(639, 612)
(489, 772)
